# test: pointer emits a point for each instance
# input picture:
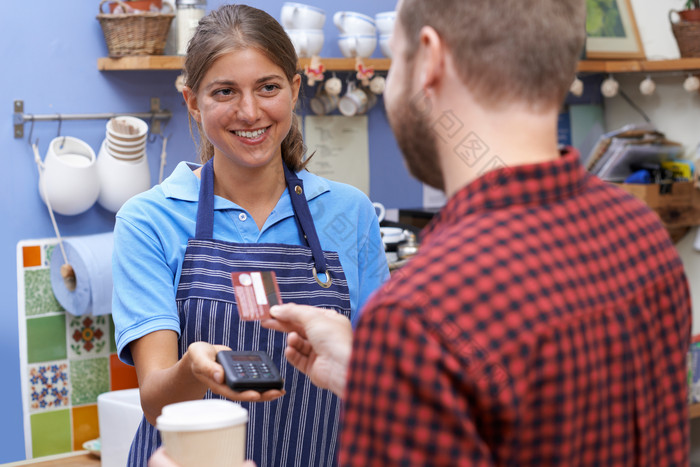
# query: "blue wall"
(48, 59)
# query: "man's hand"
(319, 342)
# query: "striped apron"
(301, 428)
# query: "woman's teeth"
(250, 134)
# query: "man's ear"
(431, 56)
(191, 100)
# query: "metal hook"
(152, 137)
(60, 123)
(31, 130)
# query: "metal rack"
(155, 116)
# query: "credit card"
(255, 293)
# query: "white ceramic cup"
(307, 42)
(324, 103)
(380, 210)
(301, 16)
(385, 22)
(355, 102)
(208, 432)
(351, 22)
(357, 45)
(120, 178)
(138, 128)
(69, 178)
(384, 40)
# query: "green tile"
(112, 342)
(89, 379)
(46, 339)
(39, 297)
(51, 433)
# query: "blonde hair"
(505, 50)
(236, 27)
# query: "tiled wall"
(66, 360)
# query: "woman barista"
(248, 208)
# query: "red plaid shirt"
(545, 321)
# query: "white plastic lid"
(207, 414)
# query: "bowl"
(307, 42)
(385, 22)
(301, 16)
(350, 22)
(357, 45)
(384, 41)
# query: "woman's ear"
(296, 85)
(191, 100)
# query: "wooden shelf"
(168, 62)
(175, 62)
(634, 66)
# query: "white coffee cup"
(208, 432)
(385, 22)
(307, 42)
(384, 40)
(352, 46)
(356, 101)
(69, 177)
(324, 103)
(301, 16)
(351, 22)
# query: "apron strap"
(205, 210)
(295, 186)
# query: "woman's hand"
(208, 371)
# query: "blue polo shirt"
(152, 230)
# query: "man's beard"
(416, 139)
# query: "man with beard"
(546, 317)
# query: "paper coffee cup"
(210, 432)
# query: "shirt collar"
(184, 185)
(530, 184)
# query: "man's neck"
(492, 140)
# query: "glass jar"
(187, 17)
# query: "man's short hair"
(505, 50)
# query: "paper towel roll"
(91, 259)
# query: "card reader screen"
(246, 358)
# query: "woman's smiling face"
(245, 107)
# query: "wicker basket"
(687, 35)
(142, 33)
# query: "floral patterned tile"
(88, 336)
(48, 250)
(39, 297)
(49, 386)
(89, 378)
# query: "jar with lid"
(187, 17)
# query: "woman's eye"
(224, 92)
(270, 88)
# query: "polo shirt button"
(242, 217)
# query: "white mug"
(350, 22)
(301, 16)
(356, 101)
(324, 103)
(307, 42)
(380, 210)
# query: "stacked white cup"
(385, 26)
(304, 26)
(122, 164)
(358, 34)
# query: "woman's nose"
(248, 109)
